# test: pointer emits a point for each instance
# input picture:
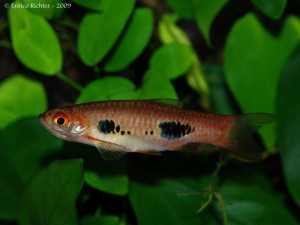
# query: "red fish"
(151, 126)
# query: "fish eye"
(61, 119)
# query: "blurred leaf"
(106, 89)
(205, 13)
(34, 41)
(51, 196)
(98, 32)
(94, 4)
(20, 97)
(184, 8)
(107, 176)
(26, 145)
(272, 8)
(47, 8)
(11, 188)
(155, 86)
(253, 62)
(163, 190)
(288, 126)
(172, 60)
(134, 40)
(169, 32)
(248, 204)
(100, 220)
(221, 98)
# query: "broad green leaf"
(272, 8)
(134, 40)
(20, 96)
(249, 204)
(27, 146)
(107, 176)
(166, 190)
(254, 59)
(205, 13)
(51, 196)
(93, 4)
(100, 220)
(288, 126)
(107, 89)
(156, 85)
(11, 188)
(34, 41)
(98, 32)
(47, 8)
(172, 60)
(184, 8)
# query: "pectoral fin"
(110, 151)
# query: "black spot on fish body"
(122, 132)
(128, 132)
(106, 126)
(188, 128)
(151, 132)
(173, 130)
(118, 129)
(183, 130)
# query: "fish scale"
(151, 126)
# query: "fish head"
(65, 123)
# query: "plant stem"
(69, 81)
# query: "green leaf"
(221, 98)
(51, 196)
(93, 4)
(20, 97)
(254, 59)
(133, 41)
(11, 188)
(167, 190)
(100, 220)
(251, 205)
(34, 41)
(107, 176)
(156, 86)
(288, 126)
(27, 146)
(47, 8)
(272, 8)
(98, 32)
(108, 88)
(205, 13)
(172, 60)
(169, 32)
(184, 8)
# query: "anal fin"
(108, 150)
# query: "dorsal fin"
(168, 101)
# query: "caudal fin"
(241, 138)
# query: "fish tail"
(241, 141)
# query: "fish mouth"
(41, 118)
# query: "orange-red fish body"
(149, 126)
